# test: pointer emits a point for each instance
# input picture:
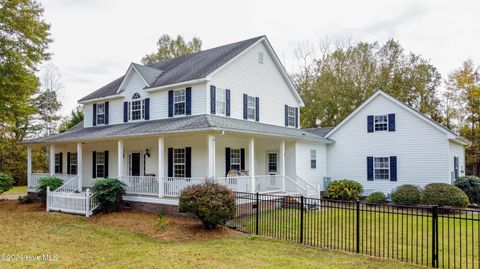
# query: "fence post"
(48, 198)
(257, 215)
(357, 224)
(435, 236)
(301, 218)
(87, 203)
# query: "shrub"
(377, 198)
(6, 182)
(443, 194)
(161, 223)
(43, 183)
(211, 202)
(407, 195)
(26, 199)
(471, 186)
(344, 189)
(108, 193)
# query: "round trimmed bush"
(443, 194)
(211, 202)
(407, 195)
(108, 193)
(344, 189)
(52, 182)
(376, 198)
(6, 182)
(471, 186)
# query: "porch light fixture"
(147, 152)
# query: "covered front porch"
(160, 167)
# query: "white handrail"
(69, 187)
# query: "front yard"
(129, 239)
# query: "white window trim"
(98, 114)
(136, 98)
(294, 118)
(97, 164)
(313, 157)
(182, 164)
(180, 102)
(73, 155)
(388, 168)
(375, 124)
(268, 162)
(254, 108)
(239, 163)
(218, 100)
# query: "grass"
(16, 190)
(79, 242)
(406, 236)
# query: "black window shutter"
(170, 104)
(68, 163)
(245, 97)
(296, 117)
(188, 101)
(391, 122)
(106, 164)
(393, 168)
(147, 108)
(125, 111)
(370, 123)
(170, 162)
(257, 109)
(286, 115)
(94, 165)
(94, 122)
(227, 161)
(212, 99)
(370, 168)
(188, 162)
(60, 169)
(227, 99)
(106, 113)
(242, 159)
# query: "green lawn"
(78, 242)
(16, 190)
(406, 236)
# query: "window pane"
(136, 110)
(381, 167)
(179, 162)
(291, 116)
(251, 107)
(235, 159)
(381, 123)
(101, 113)
(100, 164)
(179, 102)
(221, 101)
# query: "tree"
(169, 48)
(463, 86)
(347, 73)
(47, 103)
(76, 116)
(24, 39)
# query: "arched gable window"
(136, 107)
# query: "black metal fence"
(428, 236)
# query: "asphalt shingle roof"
(321, 131)
(185, 68)
(173, 125)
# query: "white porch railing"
(141, 185)
(269, 183)
(175, 185)
(69, 198)
(34, 178)
(239, 184)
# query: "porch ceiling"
(176, 125)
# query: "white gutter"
(195, 81)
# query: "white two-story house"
(231, 113)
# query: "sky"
(95, 41)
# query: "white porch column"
(51, 169)
(282, 164)
(29, 166)
(161, 166)
(80, 165)
(251, 152)
(120, 159)
(211, 156)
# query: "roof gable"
(178, 70)
(449, 133)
